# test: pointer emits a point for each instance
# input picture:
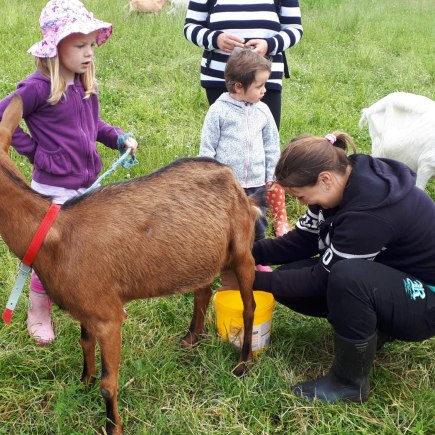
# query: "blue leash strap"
(122, 160)
(20, 281)
(29, 256)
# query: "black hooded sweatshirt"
(383, 217)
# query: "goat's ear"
(12, 114)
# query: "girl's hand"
(227, 42)
(259, 46)
(131, 143)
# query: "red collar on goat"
(40, 234)
(28, 258)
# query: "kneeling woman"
(363, 255)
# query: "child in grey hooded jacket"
(243, 136)
(239, 130)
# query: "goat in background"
(155, 6)
(169, 232)
(402, 127)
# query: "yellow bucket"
(228, 306)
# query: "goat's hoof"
(112, 429)
(88, 379)
(189, 340)
(241, 369)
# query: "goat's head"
(10, 120)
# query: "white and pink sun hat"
(61, 18)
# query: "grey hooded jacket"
(243, 136)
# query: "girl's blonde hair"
(50, 67)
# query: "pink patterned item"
(275, 196)
(61, 18)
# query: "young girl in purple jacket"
(60, 108)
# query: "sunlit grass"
(352, 54)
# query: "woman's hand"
(259, 46)
(227, 42)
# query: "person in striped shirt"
(268, 26)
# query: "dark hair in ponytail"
(305, 157)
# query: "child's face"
(75, 53)
(256, 90)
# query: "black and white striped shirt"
(254, 19)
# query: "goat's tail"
(363, 120)
(379, 106)
(257, 200)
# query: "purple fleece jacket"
(62, 140)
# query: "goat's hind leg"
(88, 342)
(200, 305)
(245, 272)
(109, 338)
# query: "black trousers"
(272, 98)
(365, 296)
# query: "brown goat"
(150, 6)
(169, 232)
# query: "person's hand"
(259, 46)
(131, 143)
(227, 42)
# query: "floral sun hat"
(61, 18)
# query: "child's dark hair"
(242, 66)
(305, 157)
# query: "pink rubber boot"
(276, 198)
(38, 316)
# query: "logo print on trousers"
(414, 289)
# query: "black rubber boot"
(382, 339)
(348, 378)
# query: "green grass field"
(352, 54)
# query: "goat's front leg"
(200, 305)
(245, 272)
(109, 338)
(88, 341)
